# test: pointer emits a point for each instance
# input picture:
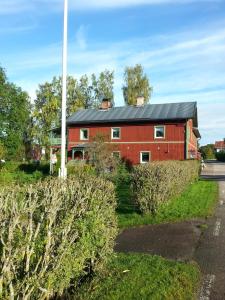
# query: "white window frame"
(117, 152)
(145, 162)
(115, 138)
(81, 134)
(160, 137)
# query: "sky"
(180, 43)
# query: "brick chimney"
(140, 100)
(106, 104)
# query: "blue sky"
(180, 43)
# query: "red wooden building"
(219, 146)
(141, 133)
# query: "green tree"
(14, 117)
(82, 93)
(136, 83)
(207, 151)
(100, 153)
(103, 86)
(46, 110)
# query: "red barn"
(141, 133)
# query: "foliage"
(207, 151)
(21, 173)
(82, 93)
(156, 183)
(2, 151)
(103, 85)
(54, 233)
(78, 167)
(14, 117)
(100, 154)
(136, 84)
(141, 276)
(198, 200)
(220, 156)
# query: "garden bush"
(78, 167)
(220, 156)
(156, 183)
(53, 234)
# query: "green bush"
(220, 156)
(29, 168)
(78, 167)
(11, 166)
(156, 183)
(53, 234)
(17, 172)
(6, 178)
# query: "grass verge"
(140, 276)
(197, 201)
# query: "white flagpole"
(63, 170)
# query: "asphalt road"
(210, 253)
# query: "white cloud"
(14, 6)
(182, 67)
(81, 37)
(40, 6)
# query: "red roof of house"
(220, 145)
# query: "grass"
(140, 276)
(21, 173)
(197, 201)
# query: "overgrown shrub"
(157, 182)
(220, 156)
(53, 234)
(78, 167)
(3, 151)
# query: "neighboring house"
(141, 133)
(219, 146)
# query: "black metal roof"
(149, 112)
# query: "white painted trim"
(117, 152)
(82, 139)
(115, 138)
(145, 162)
(160, 138)
(145, 142)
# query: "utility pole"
(63, 170)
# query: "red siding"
(138, 137)
(192, 141)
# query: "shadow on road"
(213, 177)
(214, 170)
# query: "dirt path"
(210, 254)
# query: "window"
(144, 157)
(84, 134)
(159, 132)
(115, 133)
(116, 154)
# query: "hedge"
(53, 234)
(220, 156)
(156, 183)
